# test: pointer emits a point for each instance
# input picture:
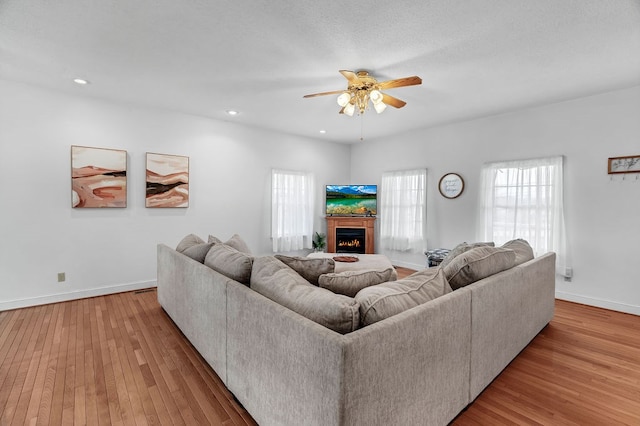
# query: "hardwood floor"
(582, 369)
(114, 359)
(119, 359)
(403, 272)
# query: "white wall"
(602, 213)
(108, 250)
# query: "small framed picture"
(630, 164)
(451, 185)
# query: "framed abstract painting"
(98, 177)
(167, 180)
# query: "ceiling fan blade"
(394, 102)
(335, 92)
(400, 82)
(351, 76)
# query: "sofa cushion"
(238, 243)
(350, 283)
(213, 239)
(276, 281)
(478, 263)
(461, 248)
(229, 262)
(188, 241)
(523, 250)
(198, 251)
(310, 269)
(384, 300)
(235, 241)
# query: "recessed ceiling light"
(80, 81)
(323, 131)
(232, 112)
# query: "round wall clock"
(451, 185)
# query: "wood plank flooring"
(111, 360)
(120, 360)
(582, 369)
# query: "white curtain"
(292, 196)
(403, 210)
(524, 199)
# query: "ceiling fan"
(363, 88)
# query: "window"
(403, 210)
(291, 210)
(523, 199)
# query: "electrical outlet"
(568, 274)
(61, 277)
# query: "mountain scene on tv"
(352, 200)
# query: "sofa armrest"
(508, 310)
(194, 296)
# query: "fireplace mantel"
(365, 222)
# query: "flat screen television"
(352, 200)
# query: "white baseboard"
(600, 303)
(74, 295)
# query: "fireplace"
(361, 224)
(350, 240)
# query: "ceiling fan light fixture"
(349, 109)
(379, 107)
(375, 96)
(344, 99)
(362, 88)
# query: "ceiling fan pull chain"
(361, 127)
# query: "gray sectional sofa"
(421, 366)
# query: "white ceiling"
(476, 58)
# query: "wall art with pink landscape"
(98, 177)
(167, 180)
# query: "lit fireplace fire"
(350, 240)
(351, 244)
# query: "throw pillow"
(188, 241)
(229, 262)
(350, 283)
(276, 281)
(213, 239)
(238, 243)
(478, 263)
(385, 300)
(198, 251)
(523, 250)
(309, 268)
(461, 248)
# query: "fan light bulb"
(344, 99)
(375, 96)
(349, 109)
(380, 106)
